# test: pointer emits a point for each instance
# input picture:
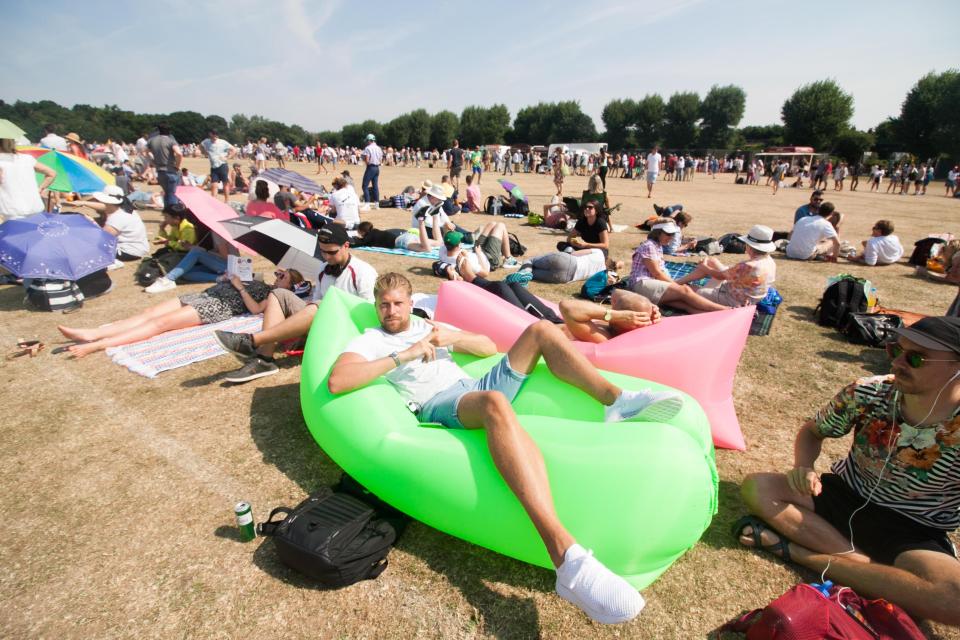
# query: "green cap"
(452, 238)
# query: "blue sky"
(326, 64)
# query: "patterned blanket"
(179, 348)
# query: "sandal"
(27, 347)
(780, 548)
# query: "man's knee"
(758, 490)
(543, 330)
(494, 407)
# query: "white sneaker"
(645, 406)
(161, 285)
(597, 591)
(117, 264)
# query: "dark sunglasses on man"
(913, 358)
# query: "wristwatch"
(608, 315)
(396, 358)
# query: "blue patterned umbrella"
(59, 246)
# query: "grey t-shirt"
(161, 146)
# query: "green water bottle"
(245, 521)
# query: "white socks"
(600, 593)
(645, 406)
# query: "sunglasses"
(914, 358)
(279, 273)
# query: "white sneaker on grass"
(161, 285)
(645, 406)
(597, 591)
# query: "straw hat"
(72, 137)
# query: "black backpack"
(336, 536)
(921, 251)
(731, 243)
(871, 329)
(845, 296)
(516, 247)
(157, 266)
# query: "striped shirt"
(372, 154)
(922, 478)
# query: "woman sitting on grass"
(220, 302)
(744, 283)
(649, 277)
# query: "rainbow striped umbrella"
(73, 173)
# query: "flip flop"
(780, 548)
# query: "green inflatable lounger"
(638, 493)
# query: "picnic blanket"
(429, 255)
(176, 349)
(679, 269)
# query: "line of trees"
(817, 115)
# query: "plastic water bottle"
(824, 588)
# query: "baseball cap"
(452, 238)
(333, 233)
(938, 333)
(106, 198)
(666, 227)
(370, 137)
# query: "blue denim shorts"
(442, 408)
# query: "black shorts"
(220, 174)
(882, 533)
(455, 172)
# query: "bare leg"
(185, 316)
(545, 339)
(114, 328)
(520, 463)
(272, 316)
(685, 298)
(925, 583)
(700, 272)
(296, 326)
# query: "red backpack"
(805, 613)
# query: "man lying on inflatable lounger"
(414, 355)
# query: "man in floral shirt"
(879, 523)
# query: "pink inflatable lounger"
(697, 354)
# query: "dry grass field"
(116, 491)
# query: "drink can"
(245, 521)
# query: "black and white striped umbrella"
(285, 245)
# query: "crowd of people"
(902, 464)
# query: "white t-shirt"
(53, 141)
(653, 162)
(417, 381)
(438, 214)
(357, 278)
(132, 236)
(589, 264)
(216, 151)
(19, 196)
(347, 204)
(882, 250)
(806, 234)
(478, 262)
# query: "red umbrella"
(210, 212)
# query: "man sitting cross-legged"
(287, 317)
(415, 357)
(879, 522)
